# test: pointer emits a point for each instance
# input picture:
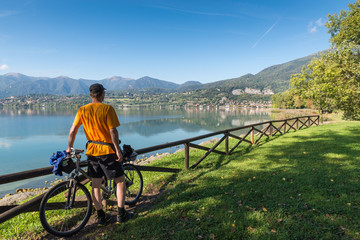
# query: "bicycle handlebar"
(75, 152)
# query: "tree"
(309, 104)
(277, 99)
(332, 82)
(298, 102)
(345, 26)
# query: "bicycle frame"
(107, 189)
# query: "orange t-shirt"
(97, 120)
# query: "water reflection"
(36, 112)
(4, 143)
(144, 122)
(151, 123)
(29, 137)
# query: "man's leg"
(103, 219)
(96, 194)
(120, 191)
(122, 216)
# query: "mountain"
(15, 84)
(189, 86)
(275, 78)
(113, 83)
(148, 82)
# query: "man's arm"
(72, 135)
(115, 139)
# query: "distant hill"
(15, 84)
(148, 82)
(189, 86)
(276, 78)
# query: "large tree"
(332, 82)
(345, 26)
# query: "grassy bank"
(290, 113)
(303, 185)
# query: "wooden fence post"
(285, 126)
(252, 135)
(297, 123)
(271, 129)
(227, 144)
(186, 156)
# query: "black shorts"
(105, 165)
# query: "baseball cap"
(97, 88)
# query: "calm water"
(28, 138)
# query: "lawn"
(302, 185)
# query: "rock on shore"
(19, 197)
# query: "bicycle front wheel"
(65, 209)
(134, 184)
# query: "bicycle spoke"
(63, 213)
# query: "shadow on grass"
(302, 186)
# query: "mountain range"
(275, 78)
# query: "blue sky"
(172, 40)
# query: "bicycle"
(66, 208)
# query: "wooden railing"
(252, 136)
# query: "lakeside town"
(194, 99)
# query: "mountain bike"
(66, 208)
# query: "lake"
(28, 138)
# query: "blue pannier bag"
(61, 163)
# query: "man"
(100, 121)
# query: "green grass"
(303, 185)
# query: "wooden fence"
(254, 133)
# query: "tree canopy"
(345, 26)
(331, 82)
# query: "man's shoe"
(104, 220)
(123, 218)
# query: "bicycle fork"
(70, 199)
(72, 186)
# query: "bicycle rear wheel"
(134, 184)
(65, 209)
